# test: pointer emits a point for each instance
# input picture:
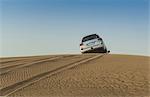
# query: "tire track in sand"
(17, 86)
(27, 71)
(7, 69)
(15, 62)
(4, 61)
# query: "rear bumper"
(94, 50)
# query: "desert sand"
(111, 75)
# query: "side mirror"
(108, 51)
(81, 44)
(99, 38)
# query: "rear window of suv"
(90, 37)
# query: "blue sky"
(39, 27)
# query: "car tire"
(105, 50)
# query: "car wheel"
(105, 50)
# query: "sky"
(45, 27)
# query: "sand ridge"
(108, 76)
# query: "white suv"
(92, 44)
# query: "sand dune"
(108, 76)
